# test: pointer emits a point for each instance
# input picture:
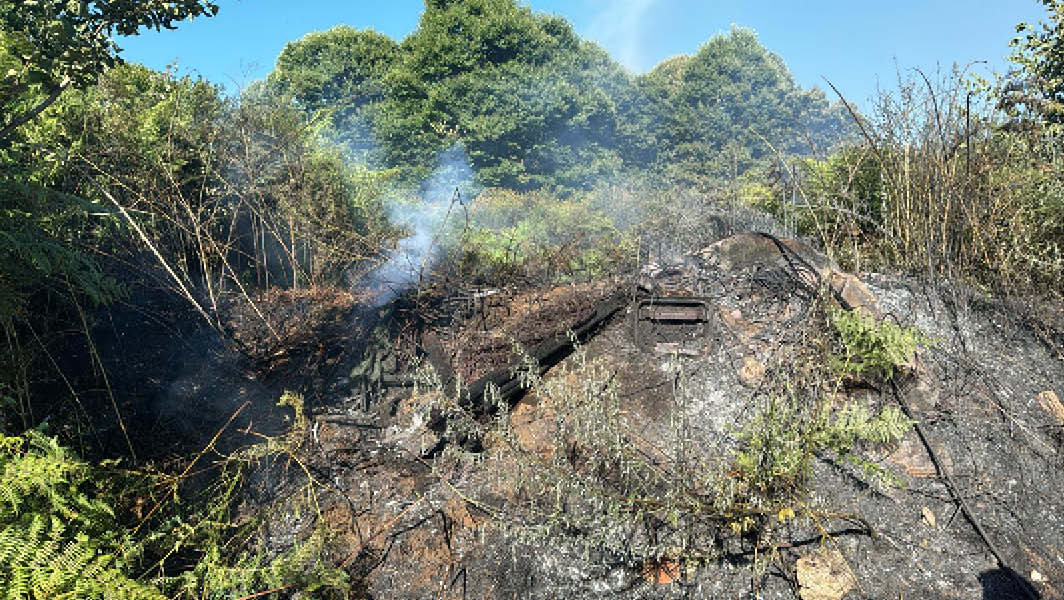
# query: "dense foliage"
(338, 75)
(57, 537)
(730, 104)
(531, 102)
(48, 46)
(537, 107)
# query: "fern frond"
(18, 585)
(38, 472)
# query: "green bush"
(537, 237)
(783, 439)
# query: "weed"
(940, 188)
(872, 346)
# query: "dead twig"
(380, 531)
(191, 464)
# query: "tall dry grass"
(938, 186)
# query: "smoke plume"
(437, 209)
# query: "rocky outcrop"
(723, 324)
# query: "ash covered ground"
(409, 520)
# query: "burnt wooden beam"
(546, 354)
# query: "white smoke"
(436, 210)
(619, 27)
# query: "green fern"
(40, 472)
(59, 537)
(875, 346)
(55, 540)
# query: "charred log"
(506, 381)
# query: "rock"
(929, 516)
(1052, 405)
(752, 372)
(533, 426)
(853, 294)
(824, 576)
(734, 321)
(410, 429)
(745, 250)
(913, 458)
(926, 390)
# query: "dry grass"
(939, 188)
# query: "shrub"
(783, 439)
(940, 187)
(65, 530)
(537, 237)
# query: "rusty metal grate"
(670, 324)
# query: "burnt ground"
(980, 396)
(406, 524)
(975, 393)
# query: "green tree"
(1037, 91)
(532, 103)
(50, 45)
(341, 65)
(340, 73)
(645, 110)
(719, 110)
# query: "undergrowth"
(69, 529)
(939, 185)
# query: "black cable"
(951, 486)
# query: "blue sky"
(857, 44)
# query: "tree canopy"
(532, 103)
(340, 66)
(338, 74)
(1038, 88)
(535, 106)
(49, 45)
(732, 102)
